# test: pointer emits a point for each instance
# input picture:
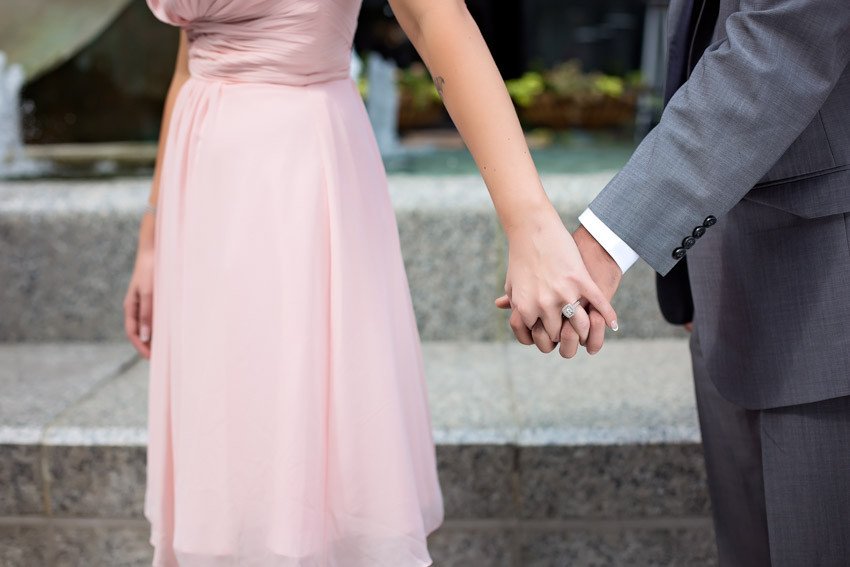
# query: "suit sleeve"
(747, 100)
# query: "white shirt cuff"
(613, 244)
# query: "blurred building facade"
(127, 68)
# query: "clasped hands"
(592, 276)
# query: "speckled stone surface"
(658, 547)
(464, 547)
(76, 544)
(542, 461)
(115, 414)
(21, 484)
(102, 546)
(478, 481)
(470, 394)
(632, 391)
(125, 544)
(629, 391)
(66, 251)
(97, 481)
(25, 546)
(455, 265)
(39, 381)
(613, 481)
(513, 428)
(38, 384)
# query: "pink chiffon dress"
(288, 417)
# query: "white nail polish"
(144, 334)
(614, 326)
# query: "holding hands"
(552, 275)
(546, 269)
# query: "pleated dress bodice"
(288, 42)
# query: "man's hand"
(607, 275)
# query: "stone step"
(66, 252)
(542, 461)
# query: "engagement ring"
(570, 309)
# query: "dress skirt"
(288, 417)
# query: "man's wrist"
(616, 247)
(585, 241)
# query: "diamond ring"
(570, 309)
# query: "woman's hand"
(138, 302)
(545, 273)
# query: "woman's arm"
(138, 302)
(181, 74)
(545, 271)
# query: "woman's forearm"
(545, 268)
(181, 74)
(451, 45)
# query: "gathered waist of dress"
(306, 83)
(230, 54)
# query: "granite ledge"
(635, 391)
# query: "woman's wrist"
(531, 219)
(146, 233)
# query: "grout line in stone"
(588, 524)
(44, 457)
(44, 469)
(110, 376)
(72, 521)
(496, 524)
(516, 477)
(516, 474)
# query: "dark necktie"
(692, 35)
(677, 55)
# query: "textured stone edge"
(435, 202)
(681, 541)
(479, 481)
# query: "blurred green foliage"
(568, 81)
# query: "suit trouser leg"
(806, 456)
(733, 457)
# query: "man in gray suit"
(748, 176)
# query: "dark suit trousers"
(779, 479)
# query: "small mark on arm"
(439, 82)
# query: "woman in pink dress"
(288, 420)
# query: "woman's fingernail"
(145, 333)
(614, 326)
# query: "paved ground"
(543, 462)
(634, 391)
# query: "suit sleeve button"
(710, 220)
(679, 253)
(699, 231)
(688, 242)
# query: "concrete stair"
(67, 249)
(543, 462)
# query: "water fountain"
(13, 160)
(35, 37)
(382, 102)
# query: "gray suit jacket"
(748, 174)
